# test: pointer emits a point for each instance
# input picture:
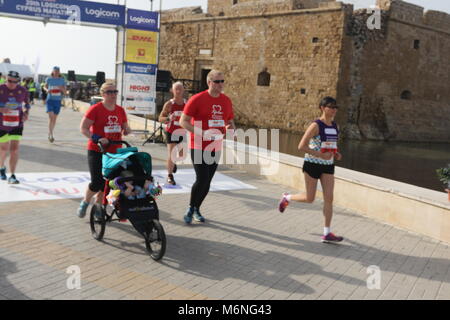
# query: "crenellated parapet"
(437, 19)
(411, 13)
(186, 13)
(254, 7)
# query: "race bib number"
(11, 118)
(330, 131)
(216, 123)
(329, 145)
(55, 92)
(113, 129)
(177, 113)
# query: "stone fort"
(280, 57)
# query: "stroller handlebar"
(102, 149)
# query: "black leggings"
(205, 166)
(95, 168)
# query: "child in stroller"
(130, 193)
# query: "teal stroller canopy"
(112, 163)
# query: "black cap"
(13, 74)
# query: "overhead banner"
(72, 11)
(141, 46)
(139, 88)
(143, 20)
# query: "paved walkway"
(246, 250)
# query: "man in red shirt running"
(175, 134)
(207, 116)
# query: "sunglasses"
(218, 81)
(332, 107)
(10, 81)
(111, 91)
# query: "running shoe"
(171, 180)
(331, 238)
(82, 209)
(197, 216)
(50, 138)
(3, 173)
(188, 215)
(282, 205)
(174, 168)
(13, 180)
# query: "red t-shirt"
(107, 124)
(177, 110)
(210, 115)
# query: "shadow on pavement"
(437, 268)
(270, 268)
(8, 290)
(56, 158)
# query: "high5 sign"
(69, 10)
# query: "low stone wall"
(399, 204)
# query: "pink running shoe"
(283, 203)
(331, 238)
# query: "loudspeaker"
(100, 78)
(71, 75)
(163, 81)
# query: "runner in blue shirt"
(56, 88)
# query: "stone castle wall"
(301, 71)
(315, 48)
(400, 82)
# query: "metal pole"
(123, 55)
(154, 123)
(157, 61)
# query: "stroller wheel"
(97, 221)
(155, 240)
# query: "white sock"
(288, 197)
(326, 231)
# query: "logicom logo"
(140, 20)
(102, 13)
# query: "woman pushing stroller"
(103, 122)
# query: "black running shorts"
(315, 170)
(173, 138)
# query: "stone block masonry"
(391, 83)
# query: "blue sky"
(88, 50)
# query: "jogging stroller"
(129, 194)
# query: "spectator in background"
(55, 86)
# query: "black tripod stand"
(157, 136)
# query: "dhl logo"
(141, 38)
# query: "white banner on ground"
(69, 185)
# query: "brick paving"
(246, 250)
